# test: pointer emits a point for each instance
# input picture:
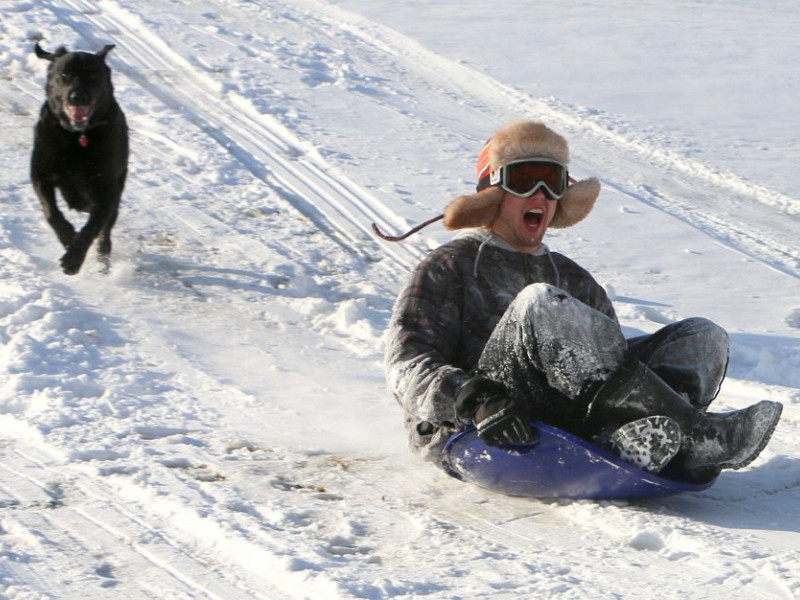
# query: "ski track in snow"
(105, 375)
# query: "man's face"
(522, 222)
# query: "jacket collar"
(489, 238)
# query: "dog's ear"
(51, 56)
(44, 54)
(106, 49)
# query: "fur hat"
(520, 139)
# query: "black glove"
(498, 418)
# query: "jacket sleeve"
(602, 303)
(421, 341)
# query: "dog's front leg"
(73, 258)
(47, 198)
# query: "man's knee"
(539, 297)
(550, 314)
(709, 336)
(707, 328)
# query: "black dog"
(80, 147)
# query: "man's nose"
(539, 194)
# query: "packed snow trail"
(211, 421)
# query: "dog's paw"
(72, 260)
(105, 263)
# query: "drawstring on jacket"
(490, 237)
(478, 255)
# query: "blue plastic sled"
(558, 465)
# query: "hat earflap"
(576, 203)
(473, 210)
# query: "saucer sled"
(558, 465)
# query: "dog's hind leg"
(47, 198)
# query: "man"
(496, 330)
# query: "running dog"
(80, 148)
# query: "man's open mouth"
(533, 217)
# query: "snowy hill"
(210, 419)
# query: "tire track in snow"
(271, 152)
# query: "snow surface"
(210, 420)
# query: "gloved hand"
(498, 418)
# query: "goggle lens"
(523, 178)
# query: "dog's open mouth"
(78, 115)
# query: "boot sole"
(648, 443)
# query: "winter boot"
(709, 441)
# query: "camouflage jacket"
(444, 316)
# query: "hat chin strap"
(472, 210)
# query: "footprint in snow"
(200, 472)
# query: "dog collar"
(83, 140)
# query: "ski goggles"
(526, 176)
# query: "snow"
(210, 419)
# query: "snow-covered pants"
(552, 352)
